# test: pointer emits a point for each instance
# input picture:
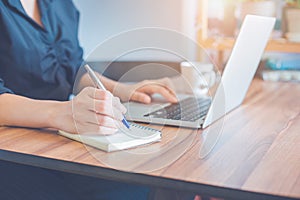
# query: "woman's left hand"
(142, 91)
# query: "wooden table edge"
(134, 178)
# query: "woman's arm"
(21, 111)
(91, 111)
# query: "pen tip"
(126, 123)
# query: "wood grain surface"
(257, 148)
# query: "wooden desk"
(256, 157)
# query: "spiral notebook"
(125, 138)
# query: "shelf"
(278, 45)
(221, 44)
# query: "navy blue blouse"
(36, 61)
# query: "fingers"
(117, 103)
(161, 86)
(105, 103)
(99, 94)
(81, 117)
(106, 108)
(197, 197)
(97, 111)
(142, 91)
(141, 97)
(169, 85)
(103, 121)
(94, 129)
(164, 91)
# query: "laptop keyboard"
(190, 109)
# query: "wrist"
(122, 91)
(58, 113)
(108, 83)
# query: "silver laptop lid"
(241, 66)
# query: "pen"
(99, 85)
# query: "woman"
(39, 58)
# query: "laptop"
(196, 112)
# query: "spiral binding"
(143, 127)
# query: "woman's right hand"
(92, 111)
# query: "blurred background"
(213, 24)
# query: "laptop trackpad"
(135, 109)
